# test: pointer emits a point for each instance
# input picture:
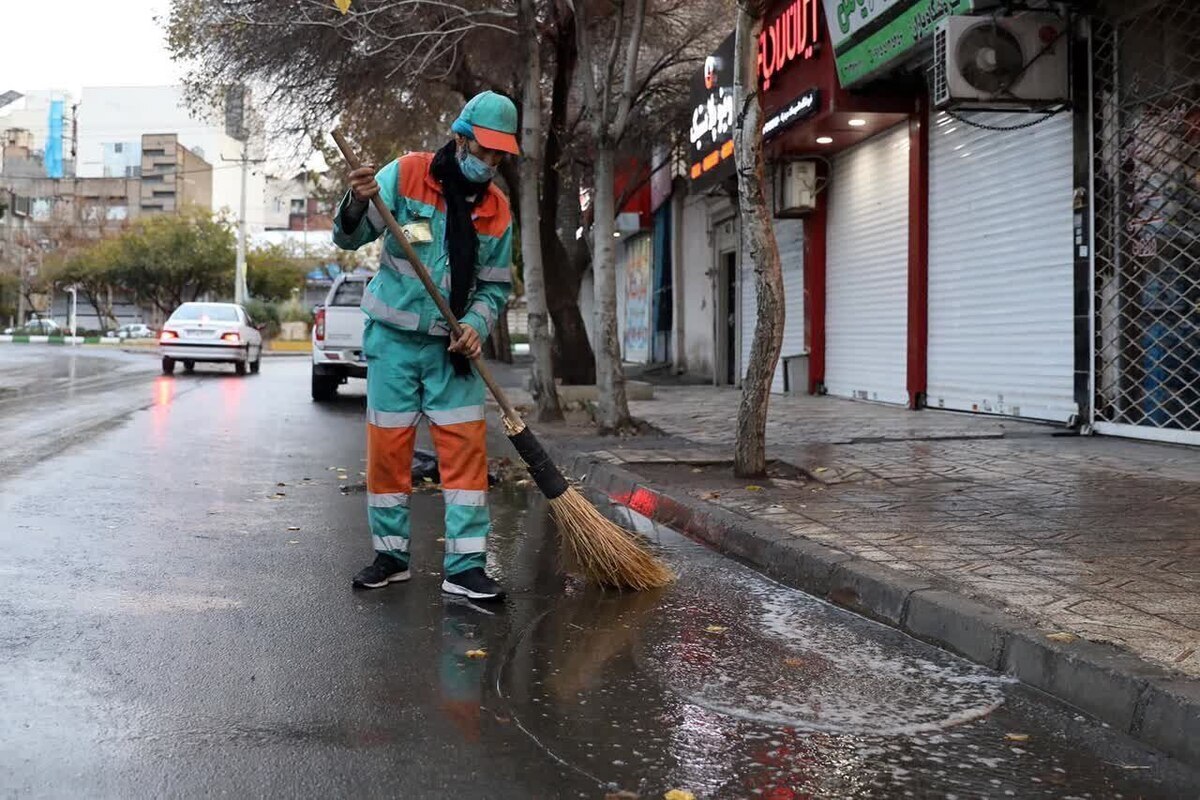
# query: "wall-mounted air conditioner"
(796, 188)
(1001, 63)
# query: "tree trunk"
(498, 346)
(574, 360)
(545, 394)
(758, 237)
(95, 299)
(613, 409)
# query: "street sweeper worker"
(460, 225)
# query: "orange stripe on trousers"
(389, 459)
(462, 454)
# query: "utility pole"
(239, 288)
(240, 294)
(236, 127)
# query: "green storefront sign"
(869, 35)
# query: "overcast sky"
(68, 44)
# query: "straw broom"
(608, 555)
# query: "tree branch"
(625, 106)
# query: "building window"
(298, 206)
(119, 147)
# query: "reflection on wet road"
(731, 685)
(176, 620)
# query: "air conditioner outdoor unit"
(1000, 63)
(796, 194)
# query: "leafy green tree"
(92, 269)
(272, 273)
(165, 261)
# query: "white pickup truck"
(337, 336)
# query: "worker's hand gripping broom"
(608, 555)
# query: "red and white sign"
(791, 35)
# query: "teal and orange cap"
(491, 120)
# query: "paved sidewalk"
(1093, 537)
(1071, 563)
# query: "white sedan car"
(220, 333)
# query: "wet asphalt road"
(176, 620)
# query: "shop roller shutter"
(789, 234)
(867, 271)
(1001, 267)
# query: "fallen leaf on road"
(441, 538)
(278, 496)
(697, 469)
(1185, 655)
(716, 628)
(710, 496)
(477, 654)
(1017, 737)
(621, 796)
(293, 541)
(293, 527)
(793, 662)
(753, 488)
(679, 794)
(1061, 637)
(819, 470)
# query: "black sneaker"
(473, 584)
(383, 571)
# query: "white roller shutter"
(1001, 335)
(789, 234)
(866, 279)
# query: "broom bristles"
(608, 555)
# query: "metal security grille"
(1146, 124)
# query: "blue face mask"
(474, 168)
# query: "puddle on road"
(730, 685)
(782, 659)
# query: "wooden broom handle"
(398, 234)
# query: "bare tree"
(545, 394)
(625, 67)
(609, 103)
(758, 238)
(395, 72)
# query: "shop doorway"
(727, 318)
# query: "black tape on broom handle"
(541, 468)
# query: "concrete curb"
(1151, 704)
(15, 338)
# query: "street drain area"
(730, 685)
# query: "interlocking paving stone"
(1088, 535)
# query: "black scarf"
(461, 239)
